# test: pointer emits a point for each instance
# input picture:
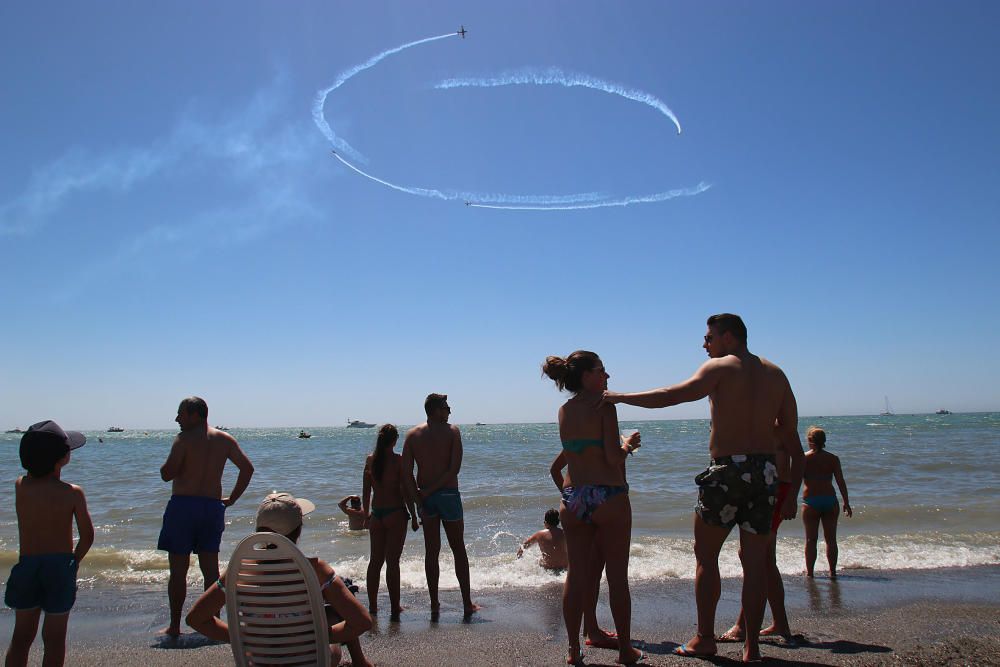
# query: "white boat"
(888, 410)
(115, 429)
(14, 430)
(356, 423)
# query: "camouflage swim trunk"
(738, 489)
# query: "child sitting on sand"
(44, 578)
(281, 513)
(356, 517)
(551, 542)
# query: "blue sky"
(173, 223)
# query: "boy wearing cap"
(44, 578)
(282, 513)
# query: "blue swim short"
(445, 504)
(43, 580)
(192, 524)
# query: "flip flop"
(685, 652)
(728, 638)
(642, 658)
(578, 662)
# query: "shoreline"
(865, 617)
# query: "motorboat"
(222, 428)
(942, 411)
(305, 434)
(115, 429)
(357, 423)
(14, 430)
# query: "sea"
(925, 490)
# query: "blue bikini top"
(577, 446)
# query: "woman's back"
(586, 432)
(817, 476)
(387, 488)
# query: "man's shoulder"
(417, 430)
(215, 435)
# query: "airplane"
(461, 32)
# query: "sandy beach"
(866, 617)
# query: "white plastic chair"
(274, 605)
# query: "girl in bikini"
(595, 509)
(384, 495)
(819, 500)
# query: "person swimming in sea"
(551, 542)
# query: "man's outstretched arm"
(696, 387)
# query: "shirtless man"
(752, 409)
(195, 516)
(551, 542)
(356, 517)
(436, 448)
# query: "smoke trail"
(624, 201)
(555, 76)
(321, 96)
(469, 197)
(551, 76)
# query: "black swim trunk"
(738, 490)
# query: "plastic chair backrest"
(274, 605)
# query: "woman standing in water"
(384, 499)
(595, 510)
(819, 500)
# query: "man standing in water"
(753, 409)
(436, 448)
(195, 516)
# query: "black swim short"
(738, 490)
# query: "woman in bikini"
(384, 499)
(819, 500)
(595, 509)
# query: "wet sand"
(866, 617)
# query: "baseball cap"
(49, 431)
(282, 512)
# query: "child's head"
(552, 518)
(44, 445)
(282, 513)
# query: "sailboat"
(888, 410)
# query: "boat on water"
(115, 429)
(14, 430)
(888, 410)
(305, 434)
(480, 424)
(357, 423)
(222, 428)
(942, 411)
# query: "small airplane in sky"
(461, 32)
